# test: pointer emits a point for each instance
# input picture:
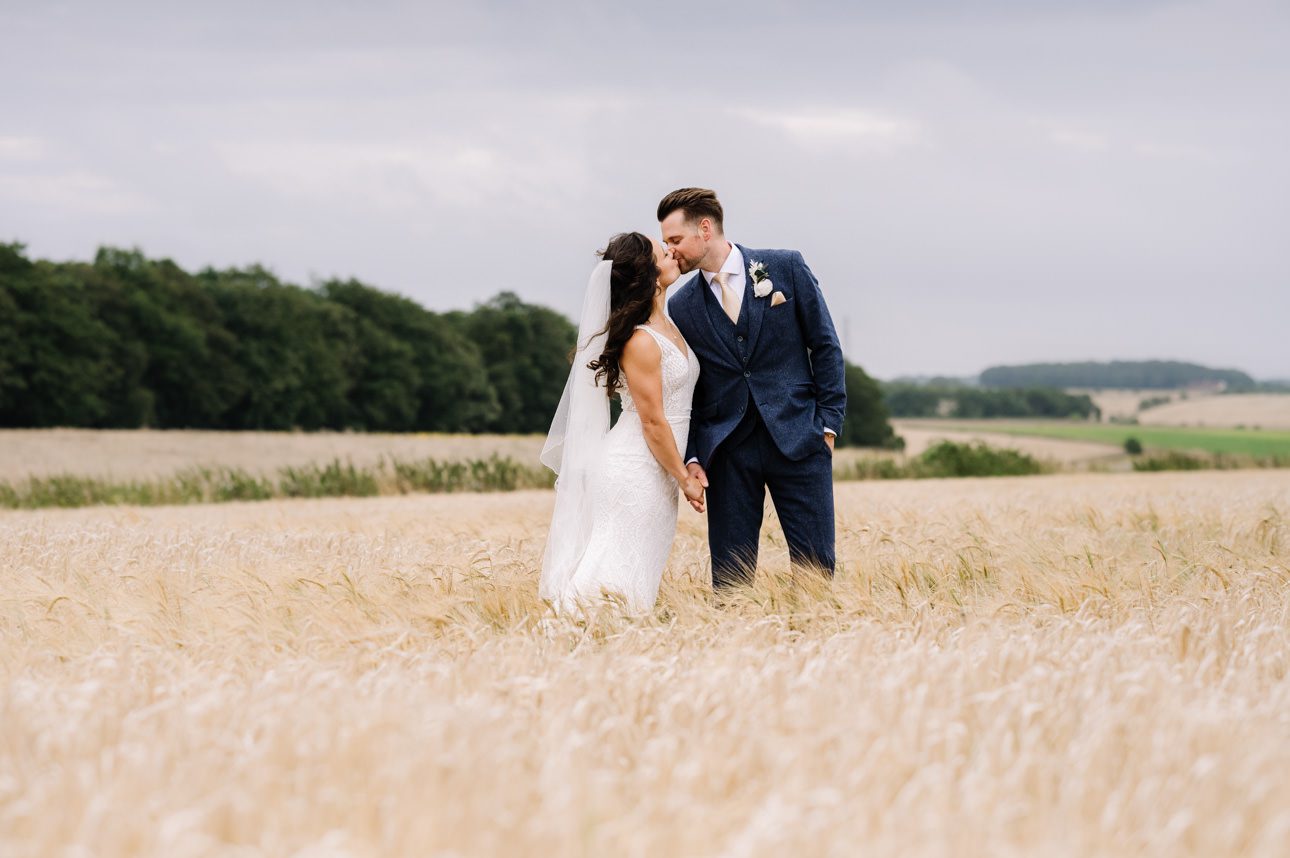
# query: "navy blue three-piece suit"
(769, 385)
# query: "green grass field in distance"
(1249, 442)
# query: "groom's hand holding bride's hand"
(693, 493)
(695, 485)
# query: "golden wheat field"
(1262, 410)
(145, 453)
(1195, 408)
(1119, 404)
(1063, 665)
(153, 453)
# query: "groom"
(771, 395)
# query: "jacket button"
(740, 339)
(747, 374)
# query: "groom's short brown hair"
(697, 203)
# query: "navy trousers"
(743, 467)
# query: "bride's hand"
(693, 490)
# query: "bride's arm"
(642, 368)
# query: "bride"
(616, 495)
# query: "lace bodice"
(680, 374)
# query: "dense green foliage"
(126, 341)
(1128, 375)
(970, 403)
(525, 351)
(867, 423)
(943, 460)
(948, 459)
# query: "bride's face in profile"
(668, 269)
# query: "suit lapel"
(756, 306)
(697, 305)
(702, 292)
(685, 306)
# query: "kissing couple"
(741, 371)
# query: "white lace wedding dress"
(634, 499)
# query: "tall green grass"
(946, 459)
(331, 479)
(1176, 460)
(502, 474)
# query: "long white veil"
(575, 444)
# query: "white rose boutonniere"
(762, 284)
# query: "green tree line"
(1126, 375)
(126, 341)
(916, 400)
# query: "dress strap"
(655, 333)
(660, 337)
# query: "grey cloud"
(973, 183)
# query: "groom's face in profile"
(688, 240)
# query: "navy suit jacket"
(794, 373)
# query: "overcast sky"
(972, 182)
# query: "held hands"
(693, 493)
(694, 486)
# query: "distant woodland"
(126, 341)
(929, 400)
(1126, 375)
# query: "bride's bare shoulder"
(641, 347)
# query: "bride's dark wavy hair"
(632, 282)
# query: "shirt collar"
(734, 264)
